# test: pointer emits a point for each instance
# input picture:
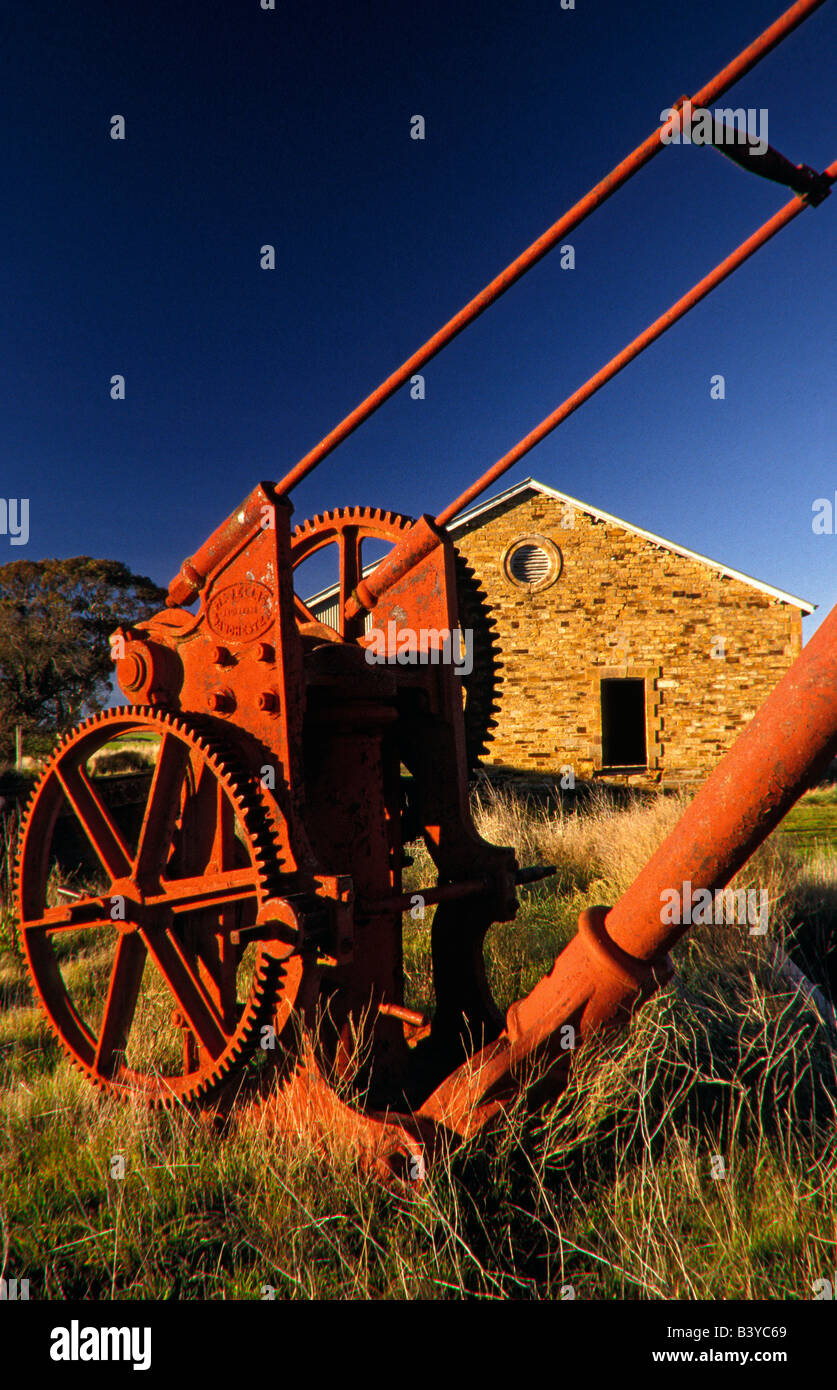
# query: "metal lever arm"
(770, 164)
(553, 236)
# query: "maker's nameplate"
(241, 611)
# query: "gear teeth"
(339, 517)
(483, 685)
(268, 856)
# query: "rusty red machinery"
(244, 921)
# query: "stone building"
(624, 656)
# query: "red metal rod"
(571, 404)
(233, 532)
(550, 238)
(598, 977)
(442, 893)
(787, 744)
(784, 748)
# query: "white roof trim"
(332, 589)
(531, 484)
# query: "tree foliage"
(55, 620)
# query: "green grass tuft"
(692, 1157)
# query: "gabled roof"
(483, 509)
(532, 485)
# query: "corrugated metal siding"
(326, 611)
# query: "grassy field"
(695, 1157)
(813, 821)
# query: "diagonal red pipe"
(654, 331)
(617, 957)
(420, 538)
(651, 146)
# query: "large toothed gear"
(347, 528)
(134, 963)
(483, 684)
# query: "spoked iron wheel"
(126, 914)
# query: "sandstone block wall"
(622, 606)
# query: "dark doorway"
(623, 723)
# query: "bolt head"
(268, 701)
(221, 701)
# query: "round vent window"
(529, 564)
(533, 562)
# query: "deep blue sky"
(292, 127)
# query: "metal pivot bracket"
(642, 977)
(770, 164)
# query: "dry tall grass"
(693, 1157)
